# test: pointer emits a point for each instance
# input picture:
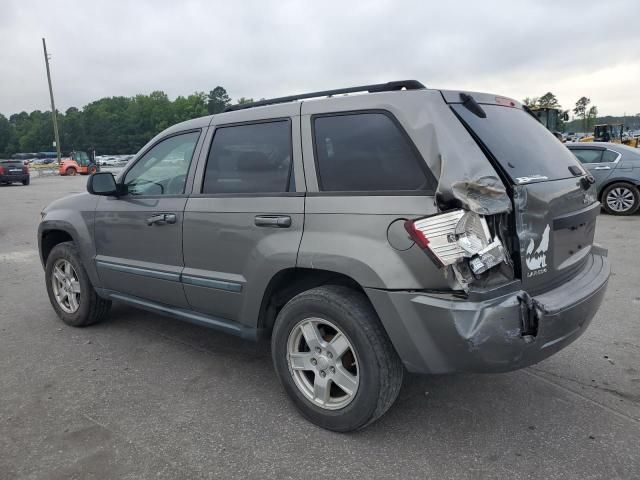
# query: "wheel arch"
(611, 181)
(54, 232)
(49, 239)
(288, 283)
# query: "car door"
(597, 160)
(243, 222)
(138, 236)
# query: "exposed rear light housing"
(450, 237)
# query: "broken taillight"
(451, 237)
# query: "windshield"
(525, 150)
(82, 158)
(548, 117)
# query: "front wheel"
(70, 292)
(334, 358)
(621, 199)
(71, 172)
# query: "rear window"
(251, 158)
(588, 155)
(525, 150)
(11, 163)
(609, 156)
(366, 152)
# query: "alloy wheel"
(323, 363)
(620, 199)
(66, 286)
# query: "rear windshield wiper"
(470, 104)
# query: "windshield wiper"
(470, 104)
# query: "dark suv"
(402, 228)
(14, 171)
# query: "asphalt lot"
(141, 396)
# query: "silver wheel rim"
(66, 286)
(620, 199)
(323, 363)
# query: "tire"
(26, 182)
(71, 172)
(621, 198)
(92, 169)
(90, 307)
(378, 369)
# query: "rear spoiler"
(458, 96)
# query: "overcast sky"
(264, 49)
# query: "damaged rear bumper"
(442, 333)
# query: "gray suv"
(399, 228)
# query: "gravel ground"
(141, 396)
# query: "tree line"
(113, 125)
(585, 114)
(118, 125)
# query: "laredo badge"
(537, 259)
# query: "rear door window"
(366, 152)
(588, 155)
(610, 156)
(525, 150)
(250, 158)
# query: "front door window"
(163, 169)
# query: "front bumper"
(435, 333)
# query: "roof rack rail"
(379, 87)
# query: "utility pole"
(53, 104)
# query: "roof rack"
(379, 87)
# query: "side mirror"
(104, 183)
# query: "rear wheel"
(26, 182)
(621, 199)
(334, 358)
(71, 172)
(70, 292)
(93, 169)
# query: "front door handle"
(161, 219)
(275, 221)
(602, 168)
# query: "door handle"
(161, 219)
(276, 221)
(602, 168)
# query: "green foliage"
(577, 125)
(581, 111)
(110, 125)
(549, 100)
(218, 100)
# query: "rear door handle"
(602, 168)
(161, 219)
(275, 221)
